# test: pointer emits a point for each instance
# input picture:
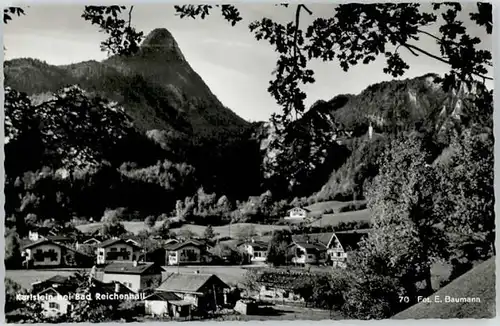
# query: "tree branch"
(410, 47)
(429, 34)
(130, 15)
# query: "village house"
(47, 253)
(166, 304)
(137, 276)
(188, 252)
(329, 247)
(203, 292)
(116, 250)
(306, 253)
(256, 250)
(298, 213)
(59, 288)
(342, 243)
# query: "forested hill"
(156, 86)
(173, 140)
(328, 151)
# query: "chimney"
(117, 287)
(135, 263)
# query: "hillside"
(477, 283)
(118, 133)
(329, 151)
(156, 86)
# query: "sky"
(235, 66)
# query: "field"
(334, 219)
(319, 208)
(232, 229)
(134, 227)
(222, 231)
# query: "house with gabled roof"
(117, 250)
(48, 253)
(57, 291)
(204, 292)
(137, 276)
(298, 213)
(327, 247)
(187, 252)
(256, 250)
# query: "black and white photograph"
(248, 162)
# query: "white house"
(57, 302)
(256, 250)
(189, 252)
(297, 213)
(115, 250)
(308, 253)
(58, 292)
(329, 247)
(136, 276)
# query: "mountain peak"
(161, 40)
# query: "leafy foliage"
(123, 39)
(8, 12)
(277, 252)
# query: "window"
(257, 254)
(123, 249)
(53, 305)
(113, 249)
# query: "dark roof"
(163, 296)
(65, 285)
(189, 283)
(129, 268)
(47, 241)
(110, 242)
(349, 241)
(59, 279)
(41, 242)
(177, 246)
(313, 246)
(60, 289)
(258, 245)
(302, 208)
(110, 287)
(323, 238)
(59, 238)
(477, 283)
